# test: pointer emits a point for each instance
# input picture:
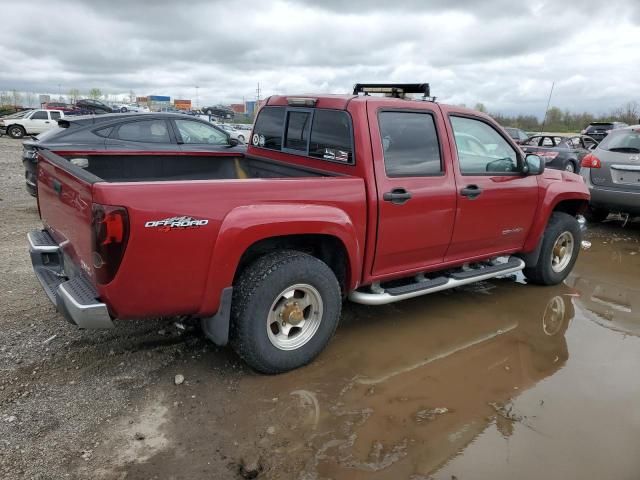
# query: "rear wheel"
(124, 109)
(16, 131)
(286, 307)
(570, 167)
(559, 251)
(241, 138)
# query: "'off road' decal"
(174, 223)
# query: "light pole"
(197, 102)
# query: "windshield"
(18, 114)
(598, 127)
(624, 141)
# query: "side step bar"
(452, 280)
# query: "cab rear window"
(317, 133)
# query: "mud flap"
(531, 258)
(216, 327)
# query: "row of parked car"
(606, 154)
(569, 153)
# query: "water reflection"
(609, 281)
(405, 387)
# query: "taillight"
(110, 232)
(591, 161)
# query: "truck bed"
(233, 200)
(175, 167)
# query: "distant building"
(182, 104)
(158, 102)
(237, 107)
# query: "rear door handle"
(397, 196)
(471, 191)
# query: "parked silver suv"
(612, 173)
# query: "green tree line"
(558, 120)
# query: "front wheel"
(559, 250)
(16, 131)
(286, 306)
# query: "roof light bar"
(302, 101)
(394, 89)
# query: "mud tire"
(542, 272)
(253, 295)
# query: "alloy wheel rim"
(553, 316)
(562, 252)
(294, 317)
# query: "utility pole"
(197, 102)
(544, 120)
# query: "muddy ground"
(499, 380)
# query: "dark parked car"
(599, 130)
(561, 153)
(94, 106)
(219, 112)
(159, 133)
(519, 136)
(612, 173)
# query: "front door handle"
(397, 196)
(471, 191)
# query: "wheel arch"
(323, 231)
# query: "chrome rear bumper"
(74, 297)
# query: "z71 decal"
(176, 223)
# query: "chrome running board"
(379, 296)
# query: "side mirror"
(234, 142)
(533, 165)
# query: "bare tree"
(74, 95)
(480, 107)
(29, 99)
(5, 98)
(16, 97)
(95, 93)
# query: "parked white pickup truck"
(30, 123)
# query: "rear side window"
(54, 115)
(148, 131)
(317, 133)
(40, 116)
(410, 144)
(104, 132)
(297, 134)
(331, 136)
(268, 128)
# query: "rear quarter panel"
(182, 271)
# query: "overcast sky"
(503, 53)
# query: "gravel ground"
(461, 384)
(62, 388)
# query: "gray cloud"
(502, 53)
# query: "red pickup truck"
(372, 198)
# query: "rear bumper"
(612, 199)
(73, 295)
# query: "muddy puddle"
(498, 380)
